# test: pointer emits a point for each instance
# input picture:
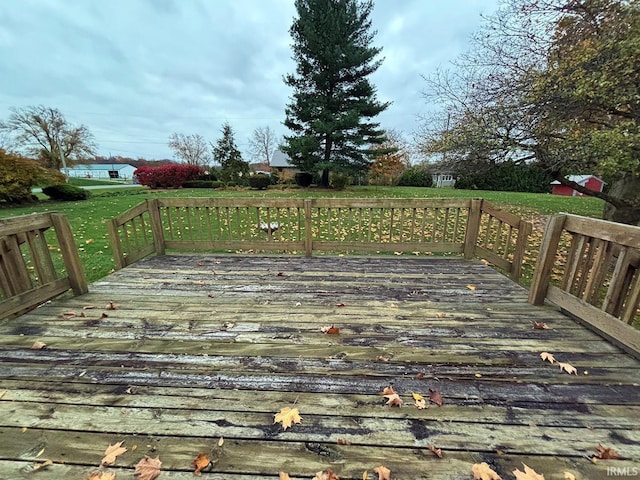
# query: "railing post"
(153, 207)
(524, 230)
(118, 253)
(69, 251)
(546, 259)
(308, 229)
(473, 227)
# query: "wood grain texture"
(174, 352)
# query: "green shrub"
(259, 181)
(18, 175)
(416, 176)
(340, 181)
(507, 177)
(202, 184)
(66, 192)
(304, 179)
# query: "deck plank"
(202, 347)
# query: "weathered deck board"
(202, 347)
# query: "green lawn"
(89, 218)
(85, 182)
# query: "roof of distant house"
(280, 159)
(101, 166)
(579, 179)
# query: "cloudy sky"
(135, 71)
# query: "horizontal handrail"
(597, 280)
(31, 270)
(457, 226)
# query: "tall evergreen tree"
(333, 103)
(225, 152)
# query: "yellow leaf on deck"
(546, 356)
(112, 452)
(287, 417)
(482, 471)
(528, 474)
(383, 472)
(567, 367)
(471, 287)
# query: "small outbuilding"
(280, 162)
(588, 181)
(103, 171)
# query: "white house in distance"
(103, 171)
(443, 180)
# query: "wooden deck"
(207, 347)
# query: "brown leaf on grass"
(421, 403)
(111, 306)
(435, 397)
(603, 453)
(201, 462)
(147, 469)
(436, 451)
(102, 476)
(567, 367)
(546, 356)
(540, 326)
(528, 474)
(482, 471)
(38, 345)
(331, 330)
(383, 472)
(112, 452)
(287, 416)
(326, 475)
(393, 399)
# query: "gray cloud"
(136, 71)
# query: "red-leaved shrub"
(170, 175)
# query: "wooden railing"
(455, 226)
(33, 268)
(597, 280)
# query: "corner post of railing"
(116, 243)
(524, 230)
(473, 228)
(308, 228)
(69, 251)
(546, 259)
(153, 206)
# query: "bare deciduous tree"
(45, 133)
(191, 149)
(261, 144)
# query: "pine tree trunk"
(324, 180)
(627, 188)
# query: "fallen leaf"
(326, 475)
(365, 475)
(482, 471)
(569, 476)
(382, 358)
(42, 465)
(540, 326)
(383, 472)
(330, 330)
(201, 462)
(546, 356)
(104, 315)
(284, 476)
(421, 403)
(287, 416)
(435, 397)
(436, 451)
(89, 307)
(393, 399)
(567, 367)
(147, 469)
(279, 274)
(111, 306)
(441, 315)
(69, 314)
(40, 452)
(607, 453)
(340, 305)
(221, 442)
(112, 452)
(38, 345)
(2, 393)
(228, 325)
(102, 476)
(419, 376)
(82, 314)
(342, 441)
(471, 287)
(528, 474)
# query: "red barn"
(588, 181)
